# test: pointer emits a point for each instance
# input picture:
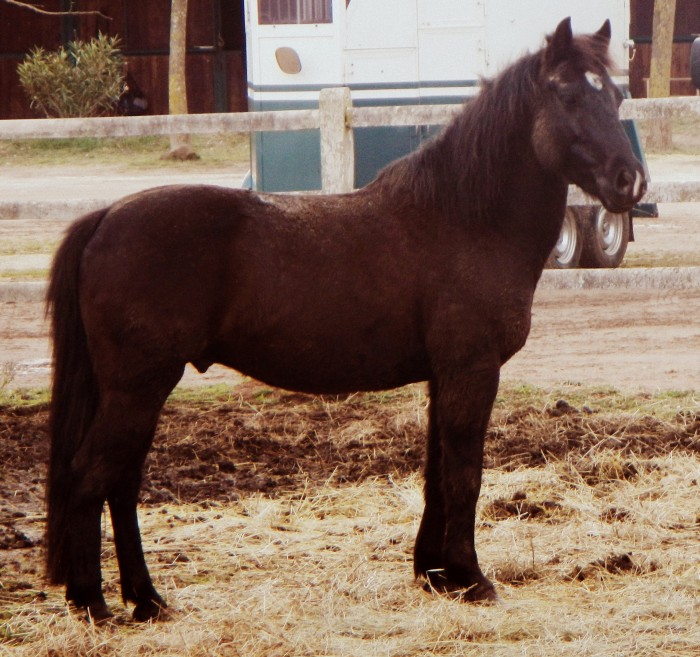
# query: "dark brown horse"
(426, 274)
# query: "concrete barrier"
(58, 210)
(658, 278)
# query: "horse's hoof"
(482, 591)
(99, 614)
(94, 605)
(150, 610)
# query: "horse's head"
(577, 130)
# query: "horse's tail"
(74, 395)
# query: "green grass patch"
(23, 397)
(131, 152)
(665, 404)
(511, 396)
(219, 393)
(22, 275)
(652, 259)
(10, 247)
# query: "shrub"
(80, 79)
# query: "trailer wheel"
(567, 251)
(695, 63)
(605, 236)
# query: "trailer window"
(271, 12)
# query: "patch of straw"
(327, 571)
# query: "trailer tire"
(695, 63)
(567, 251)
(605, 236)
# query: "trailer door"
(451, 48)
(294, 50)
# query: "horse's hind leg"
(83, 581)
(134, 442)
(135, 579)
(108, 467)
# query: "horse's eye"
(568, 95)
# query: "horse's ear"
(605, 32)
(559, 44)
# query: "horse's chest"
(513, 331)
(507, 313)
(491, 321)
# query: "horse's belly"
(333, 365)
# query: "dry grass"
(609, 567)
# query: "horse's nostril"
(625, 181)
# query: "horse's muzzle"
(622, 187)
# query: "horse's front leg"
(460, 410)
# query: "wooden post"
(337, 143)
(660, 134)
(180, 148)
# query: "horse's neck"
(534, 216)
(531, 208)
(502, 189)
(524, 205)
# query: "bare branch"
(39, 10)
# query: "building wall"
(687, 26)
(216, 79)
(216, 48)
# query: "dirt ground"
(645, 339)
(263, 441)
(628, 339)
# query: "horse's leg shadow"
(427, 553)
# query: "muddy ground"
(262, 440)
(259, 440)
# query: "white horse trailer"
(394, 52)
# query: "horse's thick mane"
(462, 172)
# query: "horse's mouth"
(624, 192)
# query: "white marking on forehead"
(594, 80)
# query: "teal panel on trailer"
(285, 161)
(377, 147)
(291, 161)
(641, 209)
